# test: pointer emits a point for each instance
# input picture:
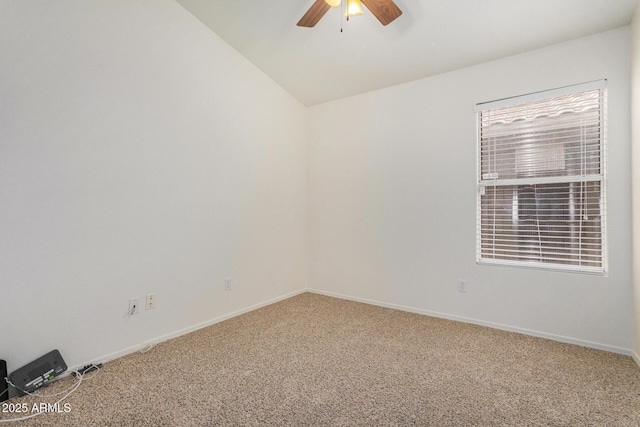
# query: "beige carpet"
(318, 361)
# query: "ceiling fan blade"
(314, 14)
(385, 10)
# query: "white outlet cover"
(150, 302)
(134, 306)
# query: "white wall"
(138, 154)
(635, 161)
(392, 200)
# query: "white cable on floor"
(68, 392)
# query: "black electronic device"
(39, 372)
(4, 393)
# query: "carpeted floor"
(312, 360)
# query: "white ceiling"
(431, 37)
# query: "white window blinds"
(541, 192)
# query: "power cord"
(36, 394)
(148, 348)
(69, 391)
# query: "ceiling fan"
(385, 10)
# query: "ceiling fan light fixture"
(385, 11)
(354, 7)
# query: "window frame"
(482, 182)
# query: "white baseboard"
(636, 358)
(508, 328)
(139, 347)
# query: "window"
(541, 180)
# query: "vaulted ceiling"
(431, 37)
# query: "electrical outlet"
(150, 302)
(134, 306)
(462, 285)
(227, 284)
